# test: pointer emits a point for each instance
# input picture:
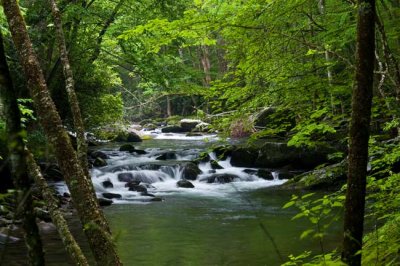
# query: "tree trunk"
(95, 226)
(359, 133)
(18, 166)
(70, 87)
(71, 246)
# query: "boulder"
(125, 177)
(265, 174)
(172, 129)
(107, 184)
(98, 162)
(109, 195)
(250, 171)
(133, 137)
(132, 183)
(215, 165)
(190, 171)
(331, 177)
(285, 175)
(138, 188)
(140, 176)
(189, 124)
(221, 178)
(244, 157)
(184, 184)
(167, 156)
(99, 154)
(277, 155)
(140, 152)
(223, 152)
(104, 202)
(127, 147)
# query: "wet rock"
(285, 175)
(167, 156)
(104, 202)
(66, 195)
(99, 154)
(98, 162)
(133, 137)
(212, 171)
(172, 129)
(331, 177)
(140, 152)
(203, 158)
(127, 147)
(223, 152)
(189, 124)
(277, 155)
(250, 171)
(138, 188)
(190, 171)
(244, 157)
(221, 178)
(215, 165)
(109, 195)
(184, 183)
(125, 177)
(107, 184)
(132, 183)
(130, 136)
(265, 174)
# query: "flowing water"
(215, 223)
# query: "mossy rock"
(331, 177)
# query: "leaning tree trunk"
(70, 87)
(359, 133)
(70, 244)
(95, 226)
(18, 166)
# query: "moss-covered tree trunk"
(18, 166)
(70, 244)
(95, 226)
(70, 88)
(359, 133)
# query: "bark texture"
(70, 87)
(95, 226)
(359, 133)
(18, 166)
(71, 246)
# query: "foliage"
(321, 213)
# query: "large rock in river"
(184, 183)
(172, 129)
(189, 124)
(331, 177)
(276, 155)
(190, 171)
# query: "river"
(233, 223)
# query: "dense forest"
(308, 89)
